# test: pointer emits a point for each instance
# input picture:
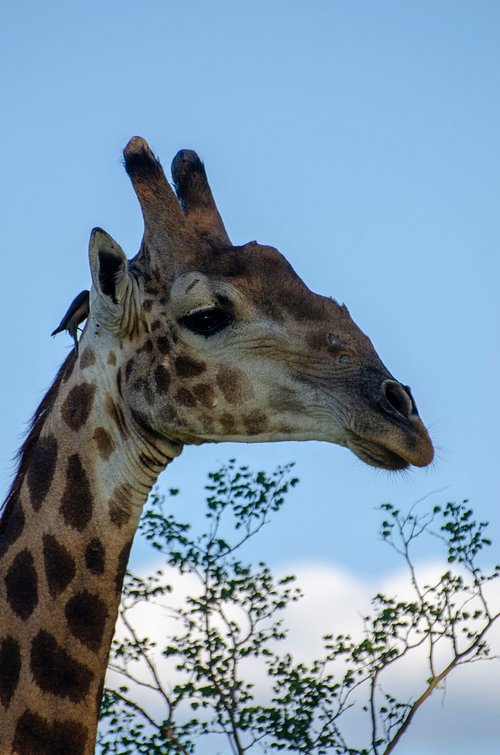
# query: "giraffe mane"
(25, 453)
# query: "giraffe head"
(217, 342)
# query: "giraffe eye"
(207, 322)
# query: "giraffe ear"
(110, 296)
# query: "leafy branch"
(232, 623)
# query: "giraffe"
(193, 340)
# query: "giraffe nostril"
(399, 398)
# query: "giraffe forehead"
(286, 300)
(264, 276)
(250, 279)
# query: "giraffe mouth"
(377, 455)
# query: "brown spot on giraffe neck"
(55, 671)
(122, 566)
(10, 668)
(77, 406)
(86, 615)
(120, 508)
(98, 696)
(41, 470)
(186, 367)
(21, 582)
(95, 556)
(112, 358)
(76, 502)
(11, 526)
(87, 358)
(59, 565)
(104, 441)
(37, 736)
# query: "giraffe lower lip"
(377, 456)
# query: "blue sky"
(360, 138)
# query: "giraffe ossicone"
(193, 340)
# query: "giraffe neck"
(65, 535)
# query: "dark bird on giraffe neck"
(77, 312)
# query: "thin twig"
(436, 680)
